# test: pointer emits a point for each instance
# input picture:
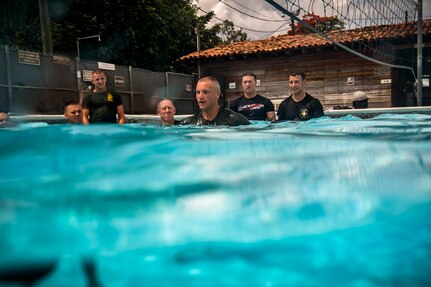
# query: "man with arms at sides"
(73, 113)
(102, 105)
(207, 95)
(252, 105)
(166, 111)
(299, 106)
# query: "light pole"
(83, 38)
(78, 62)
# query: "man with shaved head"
(207, 95)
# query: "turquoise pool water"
(328, 202)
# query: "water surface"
(328, 202)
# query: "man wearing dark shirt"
(252, 105)
(102, 105)
(300, 106)
(207, 95)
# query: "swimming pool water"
(328, 202)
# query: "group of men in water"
(102, 105)
(299, 106)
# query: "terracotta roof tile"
(287, 42)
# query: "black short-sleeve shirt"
(102, 106)
(308, 108)
(225, 117)
(255, 108)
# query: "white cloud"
(264, 10)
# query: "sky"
(261, 20)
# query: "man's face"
(166, 111)
(4, 119)
(206, 95)
(248, 84)
(296, 84)
(99, 81)
(73, 114)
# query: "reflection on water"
(328, 202)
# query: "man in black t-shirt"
(102, 105)
(207, 95)
(252, 105)
(300, 106)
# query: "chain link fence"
(32, 83)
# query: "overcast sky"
(263, 17)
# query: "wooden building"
(333, 74)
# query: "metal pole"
(419, 51)
(83, 38)
(132, 100)
(167, 85)
(78, 73)
(77, 47)
(78, 64)
(89, 37)
(9, 78)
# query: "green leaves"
(149, 34)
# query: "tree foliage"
(323, 24)
(19, 23)
(229, 34)
(150, 34)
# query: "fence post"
(78, 78)
(167, 85)
(132, 101)
(9, 78)
(419, 54)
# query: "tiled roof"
(287, 42)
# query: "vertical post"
(198, 47)
(78, 72)
(167, 85)
(45, 27)
(77, 48)
(9, 79)
(419, 52)
(78, 64)
(78, 79)
(132, 100)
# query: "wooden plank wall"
(327, 77)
